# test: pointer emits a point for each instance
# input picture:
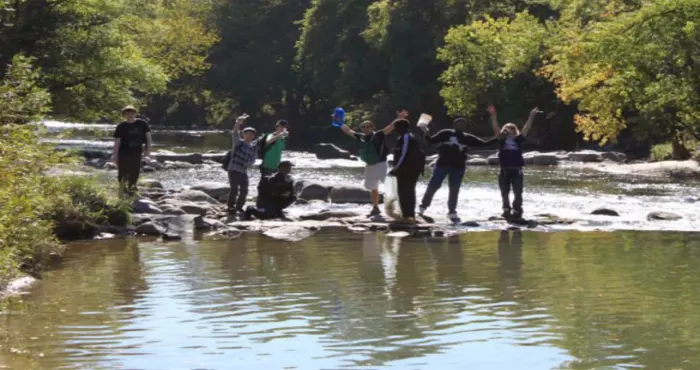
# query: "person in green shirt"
(272, 155)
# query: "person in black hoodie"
(409, 161)
(275, 193)
(453, 145)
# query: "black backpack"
(262, 146)
(227, 160)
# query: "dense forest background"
(623, 72)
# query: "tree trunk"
(680, 152)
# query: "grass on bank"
(38, 209)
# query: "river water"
(563, 299)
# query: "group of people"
(276, 187)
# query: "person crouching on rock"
(129, 139)
(275, 193)
(510, 156)
(409, 161)
(243, 156)
(373, 152)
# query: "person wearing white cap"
(243, 155)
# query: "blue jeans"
(455, 181)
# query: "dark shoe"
(517, 214)
(375, 212)
(506, 213)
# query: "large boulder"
(586, 156)
(214, 189)
(151, 229)
(315, 192)
(191, 158)
(478, 162)
(145, 206)
(195, 196)
(350, 194)
(663, 216)
(615, 156)
(330, 151)
(541, 159)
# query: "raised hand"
(403, 114)
(535, 111)
(492, 109)
(242, 118)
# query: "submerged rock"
(663, 216)
(605, 212)
(291, 233)
(330, 151)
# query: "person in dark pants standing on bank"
(510, 156)
(130, 137)
(243, 154)
(410, 162)
(453, 145)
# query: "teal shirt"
(273, 153)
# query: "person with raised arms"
(409, 161)
(510, 157)
(270, 150)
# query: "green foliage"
(661, 152)
(35, 205)
(21, 100)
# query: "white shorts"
(375, 174)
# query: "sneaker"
(410, 220)
(375, 212)
(454, 217)
(506, 213)
(421, 211)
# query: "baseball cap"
(249, 129)
(286, 163)
(129, 108)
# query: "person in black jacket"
(275, 193)
(453, 145)
(409, 163)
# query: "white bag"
(391, 198)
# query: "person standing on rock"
(275, 193)
(243, 154)
(271, 152)
(510, 157)
(452, 145)
(409, 161)
(373, 152)
(130, 137)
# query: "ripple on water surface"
(483, 300)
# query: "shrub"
(661, 152)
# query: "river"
(622, 294)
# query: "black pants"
(239, 190)
(511, 177)
(264, 211)
(406, 186)
(128, 172)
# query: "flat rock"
(663, 216)
(586, 156)
(213, 189)
(291, 233)
(191, 158)
(350, 194)
(605, 212)
(195, 196)
(145, 206)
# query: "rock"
(586, 156)
(493, 160)
(327, 215)
(148, 169)
(152, 193)
(150, 184)
(71, 230)
(174, 211)
(605, 212)
(193, 158)
(330, 151)
(202, 223)
(315, 192)
(170, 237)
(541, 159)
(478, 162)
(151, 229)
(470, 224)
(145, 206)
(615, 156)
(195, 196)
(214, 157)
(200, 209)
(663, 216)
(290, 233)
(140, 219)
(229, 233)
(109, 166)
(689, 200)
(214, 189)
(348, 194)
(681, 170)
(177, 166)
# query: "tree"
(21, 100)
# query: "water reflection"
(482, 300)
